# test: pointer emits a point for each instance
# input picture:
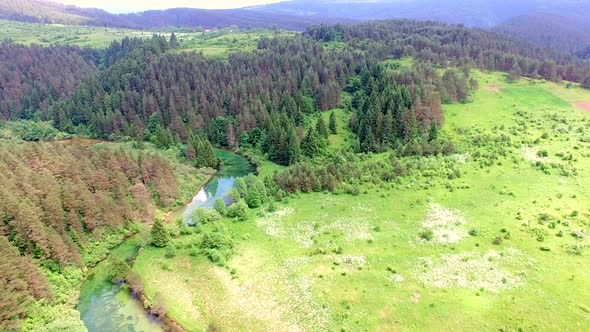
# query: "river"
(105, 307)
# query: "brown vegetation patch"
(584, 106)
(493, 88)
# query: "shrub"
(217, 244)
(185, 229)
(241, 187)
(427, 234)
(272, 207)
(578, 234)
(498, 240)
(474, 232)
(205, 216)
(220, 206)
(170, 252)
(575, 249)
(238, 210)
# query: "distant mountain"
(189, 17)
(42, 11)
(480, 13)
(568, 34)
(563, 24)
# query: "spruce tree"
(333, 125)
(159, 235)
(293, 148)
(433, 131)
(204, 155)
(173, 41)
(321, 127)
(515, 73)
(313, 144)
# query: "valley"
(378, 175)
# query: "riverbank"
(114, 304)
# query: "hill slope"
(190, 17)
(42, 11)
(568, 34)
(481, 13)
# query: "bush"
(427, 234)
(498, 240)
(238, 210)
(241, 187)
(474, 232)
(220, 206)
(185, 229)
(217, 244)
(205, 216)
(256, 193)
(170, 252)
(542, 153)
(272, 207)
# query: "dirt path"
(584, 106)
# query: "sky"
(135, 5)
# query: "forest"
(338, 109)
(113, 93)
(58, 202)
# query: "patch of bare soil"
(493, 88)
(584, 106)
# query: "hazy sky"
(163, 4)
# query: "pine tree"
(515, 73)
(313, 144)
(231, 136)
(433, 131)
(204, 155)
(321, 127)
(333, 125)
(159, 235)
(173, 41)
(293, 148)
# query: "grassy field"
(217, 43)
(222, 43)
(48, 34)
(500, 245)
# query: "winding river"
(104, 306)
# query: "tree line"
(453, 46)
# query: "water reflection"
(114, 309)
(206, 197)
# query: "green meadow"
(215, 43)
(494, 237)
